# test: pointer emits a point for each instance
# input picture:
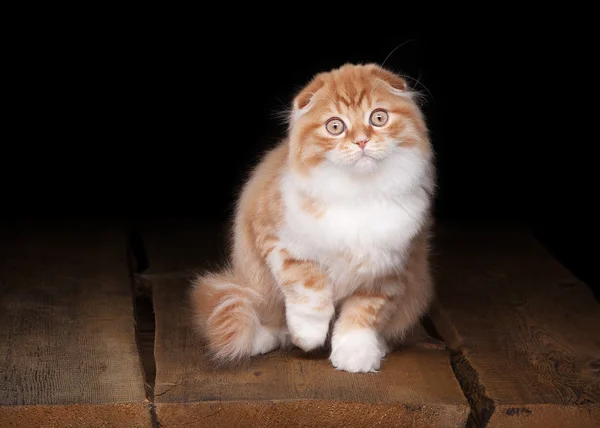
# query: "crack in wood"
(143, 305)
(482, 406)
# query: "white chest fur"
(361, 232)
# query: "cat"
(331, 230)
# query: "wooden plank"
(417, 388)
(68, 354)
(525, 333)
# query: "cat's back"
(260, 198)
(268, 169)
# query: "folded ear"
(304, 97)
(392, 79)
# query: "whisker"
(395, 49)
(282, 103)
(418, 82)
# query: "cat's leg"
(371, 320)
(308, 298)
(272, 332)
(356, 343)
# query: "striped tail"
(226, 317)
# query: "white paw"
(267, 340)
(308, 328)
(358, 351)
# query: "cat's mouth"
(364, 160)
(364, 156)
(361, 159)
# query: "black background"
(164, 118)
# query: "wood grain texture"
(524, 332)
(416, 387)
(121, 415)
(67, 336)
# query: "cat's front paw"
(308, 329)
(358, 351)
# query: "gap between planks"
(143, 305)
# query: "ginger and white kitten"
(331, 229)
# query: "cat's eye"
(379, 117)
(335, 126)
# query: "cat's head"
(355, 118)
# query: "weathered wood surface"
(525, 333)
(416, 387)
(68, 356)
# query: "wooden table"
(68, 354)
(521, 333)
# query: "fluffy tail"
(227, 318)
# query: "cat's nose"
(361, 143)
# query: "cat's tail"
(226, 316)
